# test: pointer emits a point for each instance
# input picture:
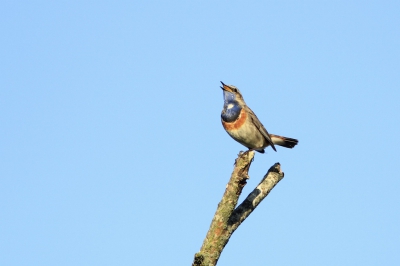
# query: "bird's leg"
(241, 153)
(246, 152)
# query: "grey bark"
(228, 217)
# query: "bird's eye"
(235, 90)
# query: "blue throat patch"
(231, 109)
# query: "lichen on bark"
(228, 217)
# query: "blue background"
(113, 153)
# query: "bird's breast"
(237, 123)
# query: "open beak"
(223, 86)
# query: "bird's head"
(231, 93)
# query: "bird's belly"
(246, 134)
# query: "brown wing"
(260, 126)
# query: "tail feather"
(283, 141)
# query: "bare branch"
(243, 211)
(227, 219)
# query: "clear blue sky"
(113, 153)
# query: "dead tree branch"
(227, 218)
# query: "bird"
(241, 123)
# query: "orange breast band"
(236, 124)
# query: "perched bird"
(243, 125)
